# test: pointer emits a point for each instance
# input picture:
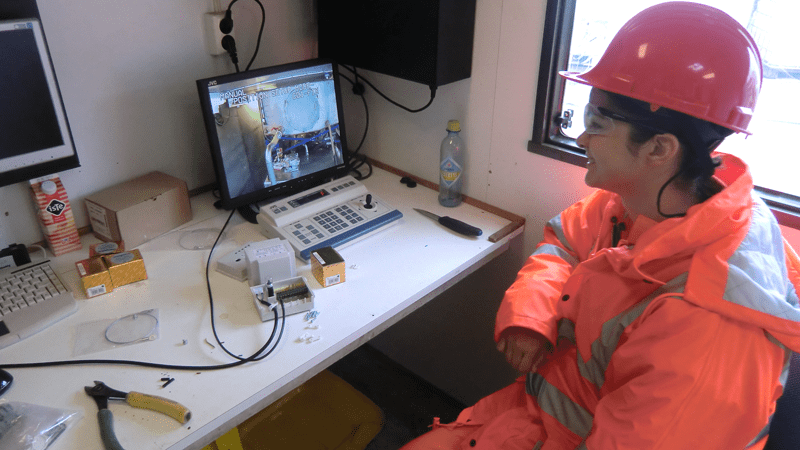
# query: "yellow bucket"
(325, 413)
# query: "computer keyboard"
(32, 297)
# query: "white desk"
(388, 275)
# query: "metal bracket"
(565, 121)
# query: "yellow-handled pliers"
(102, 393)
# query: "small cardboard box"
(106, 248)
(126, 267)
(140, 209)
(327, 266)
(95, 277)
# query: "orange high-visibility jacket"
(676, 338)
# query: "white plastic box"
(270, 259)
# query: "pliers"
(102, 393)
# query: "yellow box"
(327, 265)
(126, 267)
(106, 248)
(95, 277)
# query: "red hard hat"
(684, 56)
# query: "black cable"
(360, 93)
(362, 162)
(260, 33)
(357, 160)
(432, 87)
(254, 357)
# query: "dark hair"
(697, 137)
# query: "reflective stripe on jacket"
(675, 337)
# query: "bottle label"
(449, 171)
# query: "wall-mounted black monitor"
(35, 139)
(274, 131)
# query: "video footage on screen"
(276, 128)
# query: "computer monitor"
(35, 138)
(274, 131)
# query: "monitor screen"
(35, 139)
(274, 131)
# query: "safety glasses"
(600, 120)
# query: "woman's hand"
(524, 349)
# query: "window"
(577, 33)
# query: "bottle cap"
(453, 125)
(49, 188)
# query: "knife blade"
(453, 224)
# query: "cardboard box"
(95, 277)
(126, 267)
(327, 266)
(106, 248)
(140, 209)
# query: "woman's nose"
(582, 140)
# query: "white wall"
(127, 73)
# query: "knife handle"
(459, 226)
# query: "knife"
(453, 224)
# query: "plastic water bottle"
(451, 166)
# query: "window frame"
(546, 139)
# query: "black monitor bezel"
(53, 165)
(285, 188)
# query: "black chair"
(784, 433)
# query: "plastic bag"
(106, 334)
(24, 426)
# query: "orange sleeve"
(532, 299)
(685, 377)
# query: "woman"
(660, 311)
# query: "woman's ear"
(665, 149)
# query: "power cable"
(357, 160)
(229, 44)
(432, 87)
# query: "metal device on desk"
(332, 214)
